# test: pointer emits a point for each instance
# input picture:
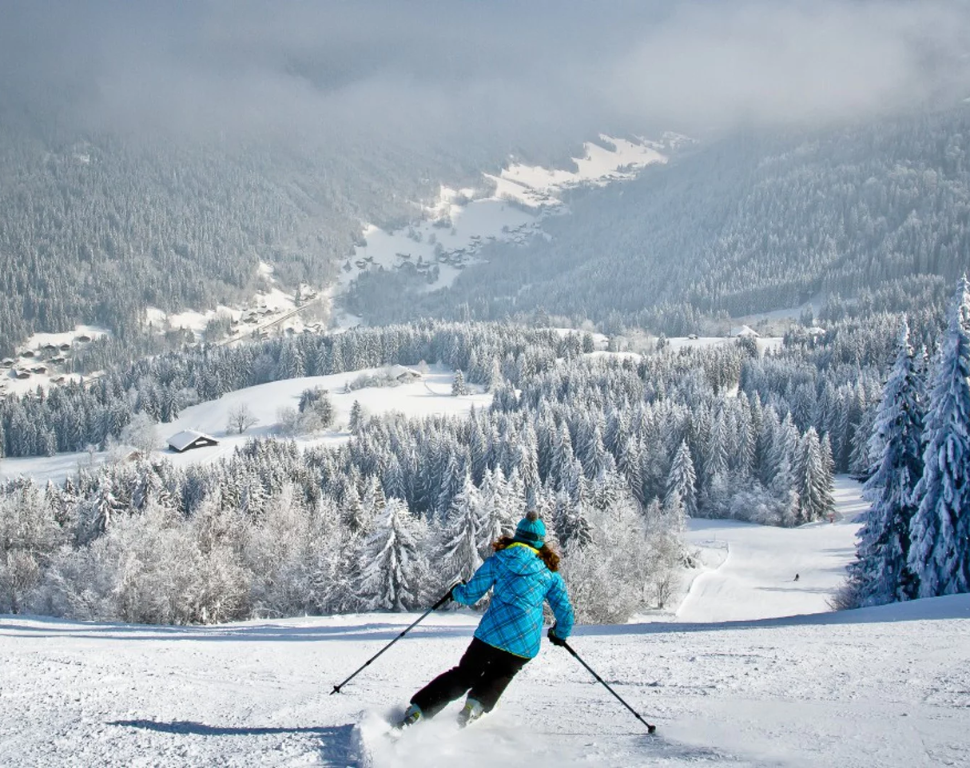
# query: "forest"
(97, 229)
(598, 444)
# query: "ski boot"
(470, 712)
(411, 716)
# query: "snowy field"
(428, 396)
(879, 687)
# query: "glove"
(554, 638)
(451, 592)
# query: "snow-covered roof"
(182, 440)
(744, 330)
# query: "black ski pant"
(484, 672)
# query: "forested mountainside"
(96, 227)
(746, 224)
(153, 155)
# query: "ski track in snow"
(886, 686)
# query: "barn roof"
(182, 440)
(744, 330)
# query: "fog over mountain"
(439, 69)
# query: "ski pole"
(568, 647)
(444, 599)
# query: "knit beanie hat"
(531, 530)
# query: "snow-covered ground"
(430, 395)
(880, 687)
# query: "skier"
(523, 573)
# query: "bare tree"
(240, 419)
(141, 433)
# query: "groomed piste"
(749, 686)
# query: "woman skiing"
(523, 574)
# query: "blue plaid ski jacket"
(522, 582)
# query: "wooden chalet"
(189, 439)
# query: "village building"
(189, 439)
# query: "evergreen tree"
(464, 535)
(499, 513)
(939, 555)
(393, 567)
(682, 481)
(573, 531)
(356, 417)
(813, 478)
(880, 573)
(458, 387)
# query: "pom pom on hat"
(531, 530)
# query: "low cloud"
(791, 63)
(437, 69)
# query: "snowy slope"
(883, 686)
(757, 579)
(428, 396)
(886, 687)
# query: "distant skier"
(523, 575)
(796, 577)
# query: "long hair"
(549, 556)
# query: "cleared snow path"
(757, 579)
(885, 687)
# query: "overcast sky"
(456, 67)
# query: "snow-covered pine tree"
(813, 477)
(450, 480)
(571, 525)
(464, 535)
(458, 387)
(939, 554)
(880, 573)
(357, 417)
(682, 481)
(393, 567)
(373, 500)
(499, 517)
(629, 464)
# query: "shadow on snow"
(338, 743)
